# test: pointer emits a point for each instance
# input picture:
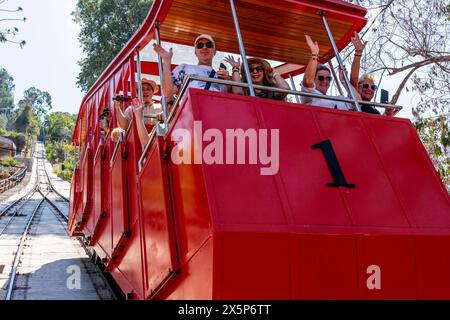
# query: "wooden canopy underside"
(271, 29)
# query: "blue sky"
(49, 59)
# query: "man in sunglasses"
(317, 80)
(366, 84)
(205, 50)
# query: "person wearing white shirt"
(205, 50)
(147, 112)
(317, 79)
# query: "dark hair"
(322, 67)
(268, 80)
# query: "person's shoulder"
(157, 106)
(179, 67)
(308, 89)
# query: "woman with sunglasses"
(262, 74)
(366, 84)
(317, 79)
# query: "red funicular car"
(353, 208)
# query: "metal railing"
(13, 180)
(246, 85)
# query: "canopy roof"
(271, 29)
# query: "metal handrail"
(294, 92)
(12, 181)
(143, 157)
(246, 85)
(116, 149)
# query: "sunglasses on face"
(257, 69)
(208, 44)
(374, 87)
(323, 78)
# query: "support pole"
(338, 57)
(160, 70)
(242, 50)
(294, 88)
(139, 73)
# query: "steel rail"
(11, 219)
(19, 252)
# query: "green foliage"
(40, 101)
(59, 126)
(60, 154)
(11, 162)
(435, 135)
(6, 94)
(27, 121)
(106, 26)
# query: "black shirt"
(369, 109)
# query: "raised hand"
(138, 108)
(314, 46)
(163, 53)
(357, 43)
(390, 112)
(233, 62)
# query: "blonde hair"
(368, 77)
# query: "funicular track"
(33, 231)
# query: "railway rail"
(38, 260)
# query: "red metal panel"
(155, 222)
(303, 171)
(433, 267)
(196, 279)
(134, 151)
(362, 166)
(119, 209)
(325, 267)
(413, 176)
(395, 257)
(255, 198)
(98, 195)
(189, 196)
(131, 264)
(86, 170)
(253, 266)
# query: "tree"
(27, 121)
(59, 126)
(437, 144)
(106, 25)
(7, 33)
(40, 101)
(6, 96)
(411, 39)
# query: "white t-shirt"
(149, 110)
(333, 104)
(180, 72)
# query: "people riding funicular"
(239, 197)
